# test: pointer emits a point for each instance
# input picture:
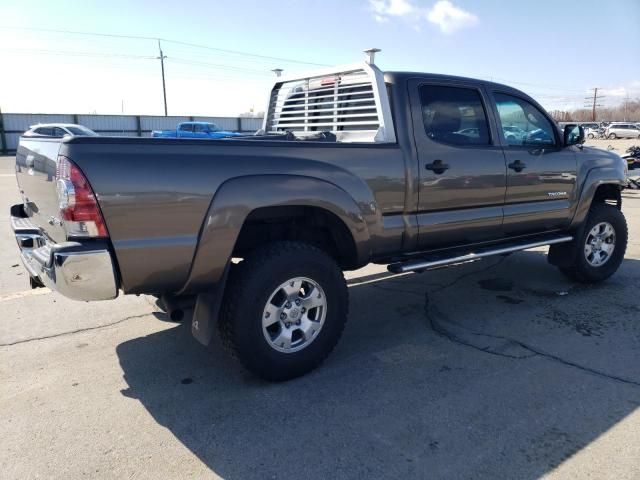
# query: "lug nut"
(303, 310)
(297, 301)
(298, 322)
(283, 316)
(288, 324)
(287, 305)
(267, 315)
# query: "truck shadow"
(473, 372)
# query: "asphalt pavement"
(497, 369)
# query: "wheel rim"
(600, 244)
(294, 315)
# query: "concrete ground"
(497, 369)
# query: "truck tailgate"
(36, 161)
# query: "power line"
(177, 42)
(38, 51)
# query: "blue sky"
(553, 50)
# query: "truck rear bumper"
(80, 271)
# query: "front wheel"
(612, 136)
(285, 310)
(601, 247)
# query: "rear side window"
(454, 115)
(44, 131)
(198, 127)
(58, 132)
(522, 123)
(187, 127)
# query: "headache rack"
(349, 101)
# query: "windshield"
(80, 131)
(213, 127)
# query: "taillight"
(79, 209)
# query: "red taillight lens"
(78, 206)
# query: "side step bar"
(441, 259)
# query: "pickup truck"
(195, 130)
(352, 166)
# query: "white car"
(59, 130)
(622, 130)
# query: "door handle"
(518, 166)
(438, 166)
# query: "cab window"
(522, 123)
(186, 127)
(199, 128)
(454, 115)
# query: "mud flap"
(204, 317)
(206, 311)
(564, 254)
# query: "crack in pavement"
(534, 351)
(71, 332)
(438, 328)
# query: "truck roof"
(402, 76)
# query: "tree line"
(628, 111)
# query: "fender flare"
(238, 197)
(595, 178)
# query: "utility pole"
(164, 88)
(595, 103)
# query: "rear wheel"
(285, 310)
(601, 246)
(612, 136)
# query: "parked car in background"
(622, 130)
(59, 130)
(591, 132)
(195, 130)
(513, 134)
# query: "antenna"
(371, 55)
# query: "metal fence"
(12, 125)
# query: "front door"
(541, 172)
(462, 167)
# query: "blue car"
(195, 130)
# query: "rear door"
(541, 173)
(462, 167)
(200, 130)
(185, 130)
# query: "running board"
(441, 259)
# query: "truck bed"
(154, 193)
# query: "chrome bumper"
(81, 271)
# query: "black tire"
(590, 135)
(581, 270)
(250, 286)
(612, 136)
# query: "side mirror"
(573, 135)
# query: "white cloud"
(391, 8)
(450, 18)
(443, 14)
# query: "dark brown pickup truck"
(353, 166)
